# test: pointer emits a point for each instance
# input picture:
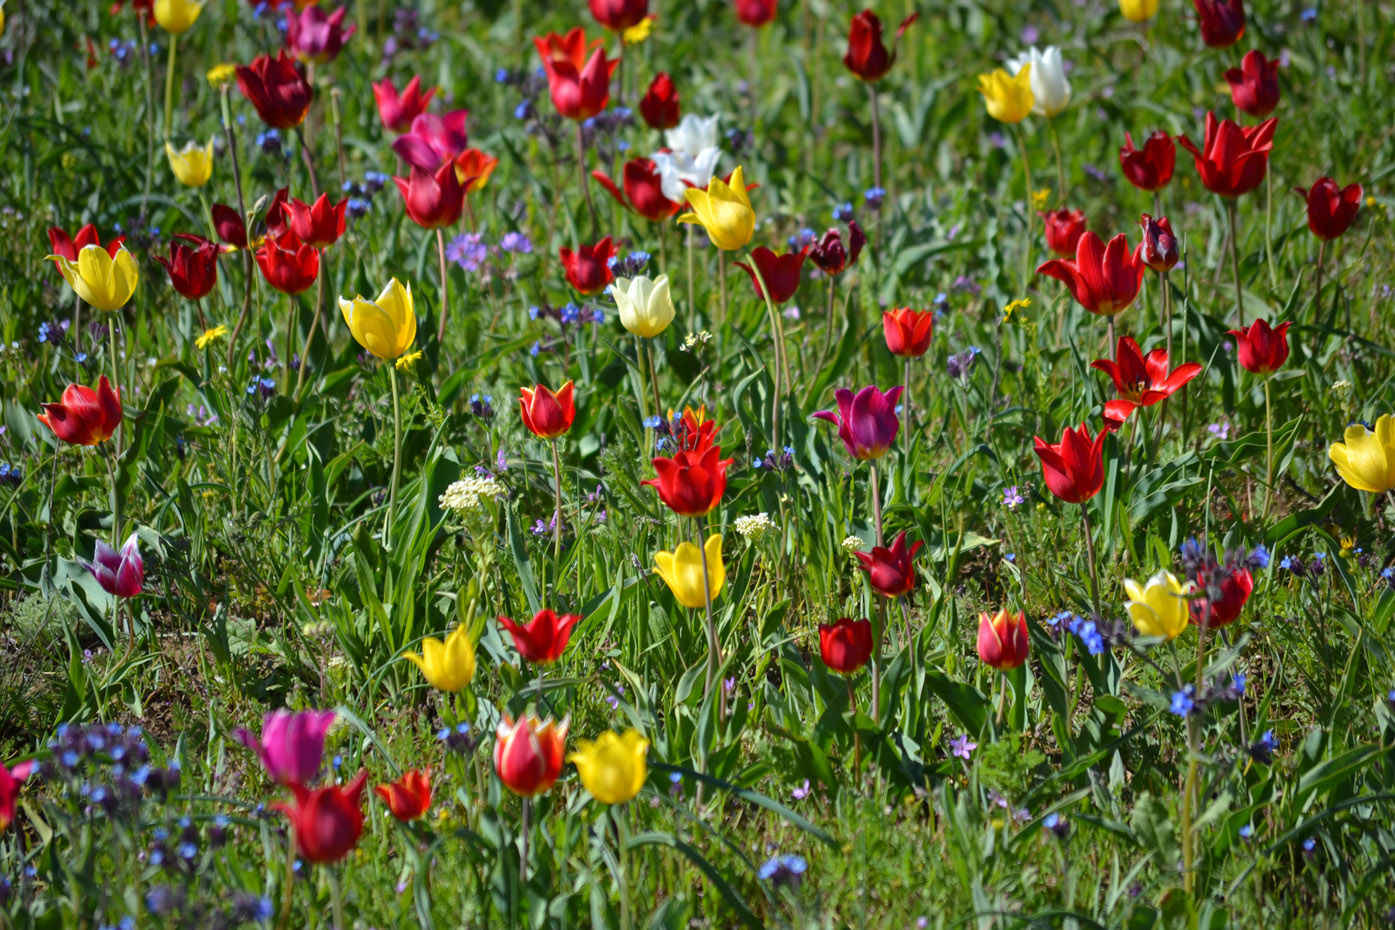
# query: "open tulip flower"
(578, 92)
(1008, 97)
(61, 245)
(448, 666)
(314, 35)
(1149, 168)
(867, 56)
(831, 255)
(434, 200)
(692, 432)
(1260, 349)
(724, 210)
(845, 646)
(1221, 595)
(908, 331)
(1222, 22)
(643, 191)
(588, 268)
(780, 272)
(84, 417)
(1233, 158)
(105, 280)
(1254, 86)
(681, 569)
(1138, 11)
(528, 753)
(192, 271)
(408, 798)
(691, 484)
(1002, 640)
(10, 781)
(433, 139)
(1073, 468)
(890, 569)
(277, 89)
(867, 421)
(229, 226)
(547, 415)
(543, 639)
(398, 111)
(1331, 209)
(328, 821)
(619, 15)
(659, 105)
(613, 768)
(176, 16)
(1365, 459)
(121, 574)
(288, 264)
(1104, 279)
(1050, 86)
(645, 305)
(319, 224)
(473, 168)
(1063, 230)
(1144, 380)
(1158, 608)
(193, 164)
(292, 744)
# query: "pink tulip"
(433, 139)
(121, 574)
(867, 422)
(292, 744)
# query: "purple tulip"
(292, 744)
(433, 139)
(120, 574)
(867, 422)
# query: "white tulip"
(1050, 86)
(678, 170)
(646, 306)
(693, 134)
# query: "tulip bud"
(1002, 640)
(528, 754)
(1160, 251)
(645, 306)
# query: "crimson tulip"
(314, 35)
(1222, 22)
(890, 569)
(277, 90)
(845, 646)
(84, 417)
(867, 56)
(1254, 86)
(644, 191)
(1103, 279)
(867, 422)
(528, 754)
(588, 268)
(10, 781)
(578, 92)
(780, 272)
(409, 797)
(433, 139)
(1226, 594)
(1063, 230)
(908, 331)
(756, 13)
(619, 15)
(1259, 349)
(543, 639)
(691, 483)
(1149, 168)
(434, 199)
(1233, 158)
(1159, 246)
(659, 105)
(1331, 209)
(1141, 380)
(327, 822)
(288, 264)
(692, 432)
(397, 112)
(547, 415)
(319, 224)
(60, 243)
(570, 48)
(830, 254)
(192, 271)
(1074, 467)
(1002, 640)
(229, 226)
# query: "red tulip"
(1159, 245)
(1002, 640)
(193, 272)
(829, 253)
(327, 821)
(1259, 349)
(229, 226)
(890, 571)
(1331, 209)
(1149, 168)
(644, 193)
(1220, 606)
(397, 112)
(756, 13)
(867, 56)
(84, 417)
(1222, 22)
(547, 415)
(434, 199)
(313, 35)
(1254, 86)
(473, 168)
(619, 15)
(543, 639)
(845, 646)
(528, 754)
(659, 105)
(10, 781)
(570, 48)
(1141, 381)
(908, 331)
(691, 483)
(1235, 157)
(578, 92)
(588, 268)
(409, 797)
(1063, 230)
(60, 243)
(276, 222)
(288, 264)
(692, 432)
(433, 139)
(1103, 279)
(1073, 468)
(277, 89)
(781, 272)
(320, 224)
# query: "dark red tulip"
(830, 254)
(434, 199)
(1002, 640)
(578, 92)
(644, 192)
(433, 139)
(547, 415)
(277, 89)
(409, 797)
(908, 331)
(1063, 230)
(1331, 209)
(588, 268)
(845, 646)
(1254, 86)
(288, 264)
(84, 417)
(327, 821)
(314, 35)
(659, 105)
(1224, 595)
(228, 225)
(319, 224)
(890, 570)
(1141, 380)
(1259, 349)
(192, 271)
(691, 483)
(781, 272)
(1149, 168)
(1234, 158)
(276, 223)
(619, 15)
(1103, 279)
(868, 57)
(1159, 245)
(543, 639)
(10, 781)
(1074, 467)
(756, 13)
(1222, 22)
(60, 243)
(397, 112)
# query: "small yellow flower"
(177, 16)
(639, 31)
(1138, 11)
(1348, 544)
(1010, 312)
(1366, 460)
(385, 327)
(409, 361)
(724, 210)
(1158, 608)
(193, 164)
(449, 666)
(682, 569)
(614, 767)
(222, 73)
(1008, 98)
(210, 336)
(104, 281)
(1041, 198)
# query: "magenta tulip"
(292, 744)
(867, 422)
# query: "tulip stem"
(524, 828)
(876, 139)
(654, 379)
(445, 283)
(288, 886)
(1317, 294)
(338, 132)
(779, 334)
(617, 812)
(906, 404)
(1060, 163)
(309, 161)
(581, 175)
(1269, 449)
(1193, 748)
(881, 602)
(557, 514)
(149, 113)
(714, 645)
(336, 897)
(242, 216)
(1235, 257)
(1268, 219)
(396, 457)
(169, 85)
(116, 440)
(1027, 209)
(1090, 553)
(857, 735)
(314, 325)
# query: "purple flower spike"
(121, 574)
(292, 744)
(867, 422)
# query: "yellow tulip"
(1139, 11)
(193, 164)
(2, 17)
(1158, 608)
(613, 768)
(449, 666)
(682, 569)
(386, 327)
(645, 305)
(1009, 99)
(724, 211)
(1366, 460)
(176, 16)
(103, 281)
